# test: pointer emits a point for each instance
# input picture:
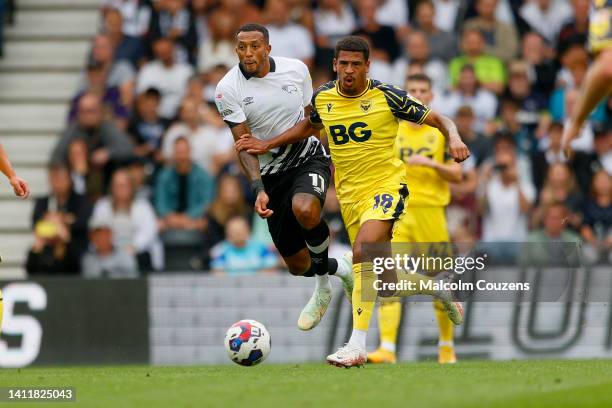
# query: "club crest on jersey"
(365, 104)
(290, 88)
(329, 107)
(247, 101)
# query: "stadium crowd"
(145, 177)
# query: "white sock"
(323, 282)
(388, 346)
(343, 270)
(358, 338)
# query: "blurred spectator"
(133, 222)
(586, 164)
(139, 172)
(126, 47)
(470, 93)
(118, 73)
(172, 19)
(542, 69)
(546, 16)
(382, 38)
(551, 153)
(532, 104)
(136, 14)
(167, 76)
(554, 226)
(576, 30)
(239, 254)
(103, 260)
(501, 38)
(60, 227)
(393, 13)
(574, 65)
(183, 191)
(287, 38)
(113, 106)
(524, 139)
(219, 46)
(209, 146)
(107, 145)
(442, 44)
(505, 198)
(585, 140)
(560, 187)
(78, 163)
(147, 128)
(489, 70)
(481, 147)
(229, 202)
(196, 91)
(244, 10)
(333, 19)
(417, 52)
(597, 210)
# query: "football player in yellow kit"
(598, 82)
(361, 118)
(429, 169)
(21, 189)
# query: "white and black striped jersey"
(270, 106)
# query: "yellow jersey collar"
(367, 88)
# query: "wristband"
(257, 186)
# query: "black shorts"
(311, 177)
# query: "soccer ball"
(247, 342)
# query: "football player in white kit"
(265, 96)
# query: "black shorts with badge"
(311, 177)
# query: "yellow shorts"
(422, 224)
(386, 204)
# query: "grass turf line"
(536, 383)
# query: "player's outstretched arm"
(20, 186)
(457, 149)
(300, 131)
(250, 167)
(596, 86)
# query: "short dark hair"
(255, 27)
(504, 136)
(420, 78)
(353, 43)
(152, 93)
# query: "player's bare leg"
(314, 259)
(597, 85)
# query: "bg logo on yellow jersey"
(340, 135)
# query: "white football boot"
(347, 356)
(315, 308)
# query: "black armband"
(257, 186)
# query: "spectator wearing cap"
(288, 39)
(172, 19)
(240, 255)
(127, 47)
(383, 38)
(133, 220)
(103, 259)
(442, 44)
(489, 70)
(166, 75)
(107, 145)
(147, 128)
(501, 38)
(546, 16)
(59, 221)
(118, 73)
(183, 191)
(113, 106)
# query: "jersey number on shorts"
(318, 182)
(383, 200)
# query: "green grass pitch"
(542, 383)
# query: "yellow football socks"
(389, 315)
(364, 295)
(445, 325)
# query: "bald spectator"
(119, 73)
(107, 145)
(501, 38)
(127, 48)
(287, 38)
(167, 75)
(546, 16)
(442, 44)
(489, 70)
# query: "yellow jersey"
(361, 131)
(427, 187)
(600, 25)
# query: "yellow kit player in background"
(429, 169)
(598, 82)
(21, 189)
(360, 117)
